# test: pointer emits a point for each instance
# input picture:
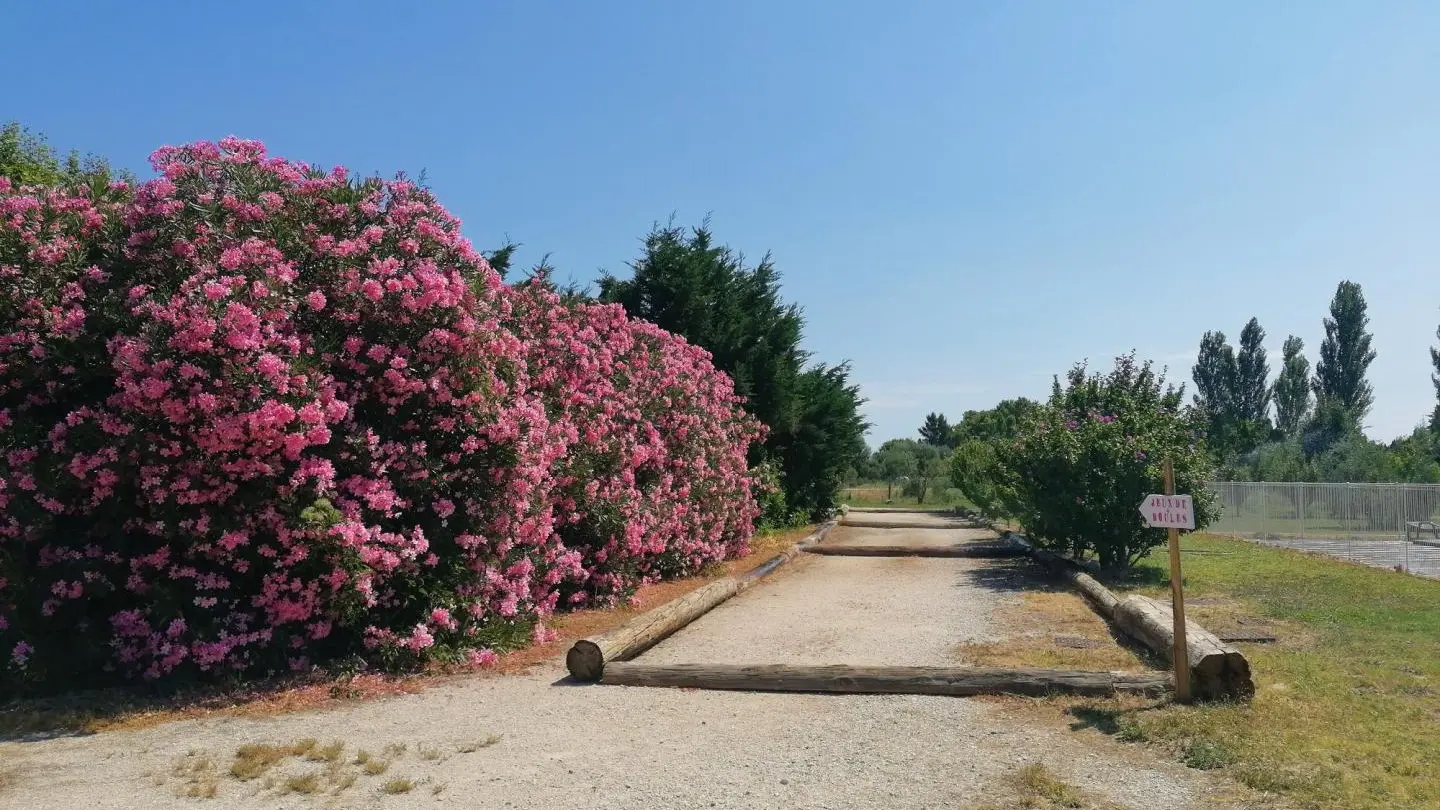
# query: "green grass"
(1346, 713)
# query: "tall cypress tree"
(1435, 380)
(1292, 389)
(1217, 374)
(1252, 381)
(1345, 355)
(687, 284)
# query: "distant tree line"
(1316, 431)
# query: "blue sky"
(965, 197)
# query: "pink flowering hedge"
(254, 416)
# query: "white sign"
(1168, 511)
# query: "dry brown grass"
(254, 760)
(199, 777)
(476, 745)
(306, 783)
(1036, 787)
(326, 753)
(375, 767)
(397, 786)
(1037, 621)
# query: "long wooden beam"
(960, 550)
(955, 681)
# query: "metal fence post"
(1300, 506)
(1349, 526)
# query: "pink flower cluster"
(254, 415)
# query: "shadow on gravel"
(1010, 576)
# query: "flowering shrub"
(654, 481)
(255, 415)
(1080, 467)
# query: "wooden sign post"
(1174, 512)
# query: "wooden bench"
(1418, 526)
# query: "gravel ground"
(847, 535)
(555, 745)
(902, 611)
(917, 519)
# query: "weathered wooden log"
(961, 550)
(952, 523)
(764, 569)
(957, 681)
(887, 510)
(1099, 595)
(588, 657)
(1217, 670)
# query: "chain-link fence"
(1385, 525)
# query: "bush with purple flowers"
(1076, 473)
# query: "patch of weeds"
(199, 776)
(326, 753)
(342, 780)
(438, 788)
(1037, 782)
(394, 750)
(362, 756)
(396, 786)
(375, 767)
(1206, 755)
(429, 753)
(253, 760)
(472, 747)
(303, 783)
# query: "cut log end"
(585, 661)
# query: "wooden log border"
(587, 658)
(962, 550)
(841, 679)
(1218, 670)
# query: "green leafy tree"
(829, 436)
(1413, 457)
(689, 285)
(1252, 382)
(931, 465)
(936, 430)
(975, 471)
(1077, 473)
(1001, 422)
(26, 158)
(1345, 355)
(1435, 381)
(1292, 389)
(1217, 381)
(897, 460)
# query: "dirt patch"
(1052, 629)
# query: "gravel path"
(553, 745)
(848, 535)
(904, 611)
